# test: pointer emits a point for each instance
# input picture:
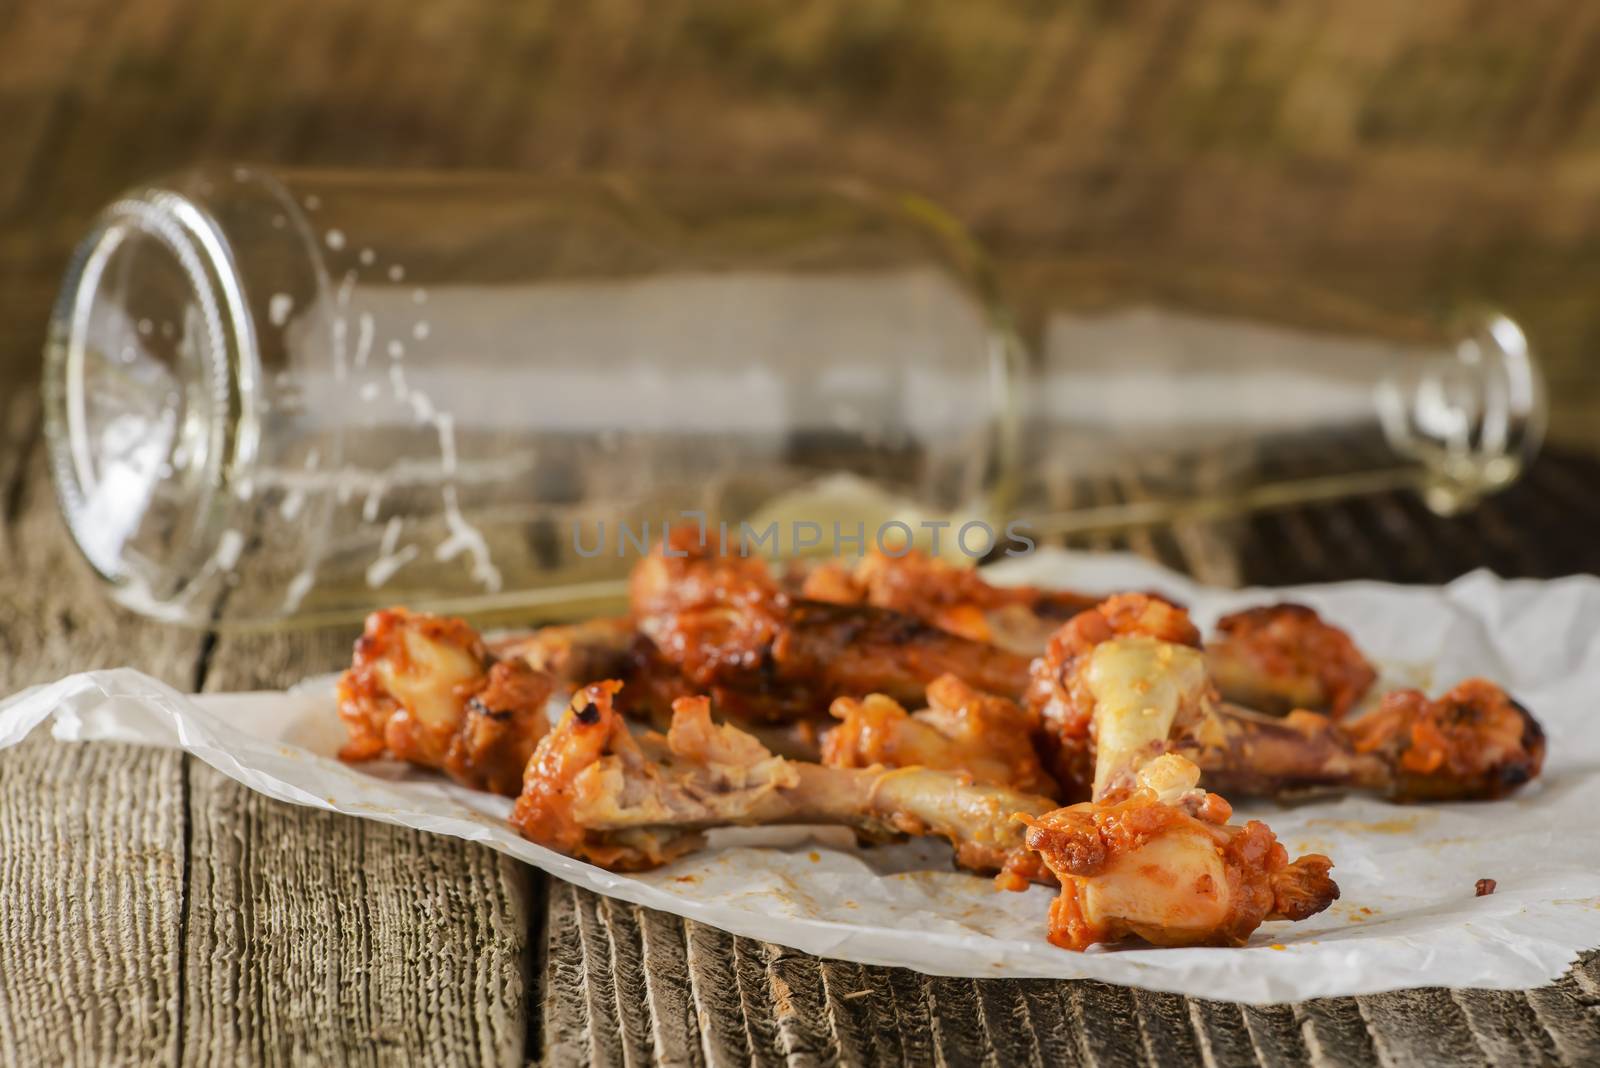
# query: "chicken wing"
(1146, 641)
(1282, 657)
(1124, 682)
(954, 599)
(725, 625)
(1473, 742)
(1161, 862)
(1151, 855)
(425, 689)
(859, 649)
(987, 738)
(596, 792)
(712, 614)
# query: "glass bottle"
(282, 395)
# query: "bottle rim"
(105, 500)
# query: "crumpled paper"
(1408, 915)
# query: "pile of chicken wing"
(1050, 737)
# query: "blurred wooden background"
(1404, 155)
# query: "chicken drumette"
(575, 654)
(1157, 859)
(1273, 658)
(1133, 643)
(425, 689)
(1475, 741)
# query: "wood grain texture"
(91, 897)
(91, 836)
(317, 937)
(1228, 157)
(830, 1012)
(56, 618)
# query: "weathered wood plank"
(607, 1031)
(314, 937)
(565, 1006)
(320, 937)
(91, 892)
(1334, 1032)
(54, 616)
(1164, 1026)
(958, 1032)
(625, 947)
(674, 1030)
(1572, 1019)
(19, 435)
(1106, 1019)
(1223, 1038)
(1420, 1027)
(1009, 1026)
(1053, 1034)
(724, 1034)
(800, 1009)
(1586, 972)
(91, 836)
(1275, 1033)
(760, 1014)
(852, 1016)
(1506, 1027)
(907, 1013)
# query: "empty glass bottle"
(288, 395)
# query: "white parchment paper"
(1408, 915)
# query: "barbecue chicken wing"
(1125, 682)
(1151, 855)
(1159, 860)
(783, 720)
(426, 690)
(1282, 657)
(1143, 640)
(596, 792)
(724, 624)
(1473, 742)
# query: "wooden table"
(152, 910)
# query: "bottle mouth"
(148, 378)
(1472, 417)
